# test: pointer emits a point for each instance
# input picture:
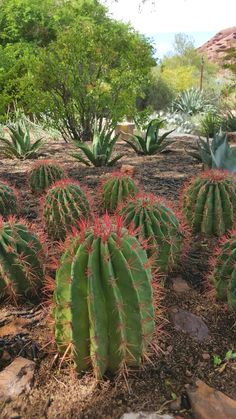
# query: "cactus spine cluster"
(64, 205)
(43, 174)
(8, 200)
(154, 221)
(116, 189)
(209, 202)
(223, 276)
(21, 260)
(103, 311)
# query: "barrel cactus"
(103, 312)
(8, 200)
(43, 174)
(21, 261)
(209, 202)
(153, 220)
(223, 275)
(116, 189)
(64, 205)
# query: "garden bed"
(181, 358)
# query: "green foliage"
(210, 124)
(116, 189)
(152, 143)
(21, 260)
(64, 205)
(229, 122)
(209, 202)
(191, 102)
(205, 148)
(20, 145)
(99, 154)
(103, 313)
(8, 200)
(43, 174)
(223, 276)
(156, 223)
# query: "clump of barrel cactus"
(209, 202)
(22, 261)
(43, 174)
(64, 205)
(223, 275)
(116, 189)
(8, 200)
(153, 220)
(103, 312)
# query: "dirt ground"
(57, 391)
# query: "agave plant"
(20, 145)
(229, 122)
(99, 154)
(191, 102)
(210, 124)
(152, 143)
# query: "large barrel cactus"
(8, 200)
(116, 189)
(22, 261)
(209, 202)
(43, 174)
(223, 276)
(64, 205)
(154, 221)
(104, 314)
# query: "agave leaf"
(113, 161)
(134, 146)
(80, 158)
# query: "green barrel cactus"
(103, 311)
(209, 202)
(223, 275)
(43, 174)
(63, 207)
(153, 220)
(116, 189)
(8, 200)
(22, 261)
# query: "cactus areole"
(154, 221)
(21, 261)
(116, 189)
(103, 311)
(223, 277)
(209, 202)
(43, 174)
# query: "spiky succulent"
(209, 202)
(223, 276)
(43, 174)
(116, 189)
(103, 312)
(22, 261)
(153, 220)
(64, 205)
(8, 200)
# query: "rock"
(145, 415)
(176, 404)
(206, 356)
(214, 47)
(14, 327)
(206, 402)
(16, 378)
(189, 323)
(180, 285)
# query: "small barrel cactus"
(116, 189)
(64, 205)
(153, 220)
(103, 312)
(209, 202)
(22, 260)
(43, 174)
(223, 275)
(8, 200)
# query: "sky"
(199, 18)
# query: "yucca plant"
(152, 143)
(20, 145)
(210, 124)
(99, 154)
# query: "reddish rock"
(216, 46)
(208, 403)
(16, 378)
(189, 323)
